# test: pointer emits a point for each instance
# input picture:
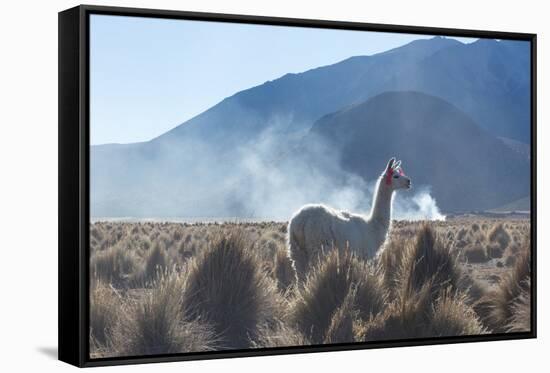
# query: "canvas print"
(257, 186)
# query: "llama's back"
(309, 231)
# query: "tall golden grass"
(161, 288)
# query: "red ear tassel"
(388, 176)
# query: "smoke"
(270, 178)
(282, 175)
(420, 206)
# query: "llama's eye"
(395, 176)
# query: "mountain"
(521, 205)
(441, 146)
(487, 79)
(293, 102)
(202, 165)
(517, 146)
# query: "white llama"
(315, 227)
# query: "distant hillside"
(488, 79)
(522, 204)
(440, 145)
(293, 102)
(517, 146)
(204, 166)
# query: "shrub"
(114, 265)
(177, 235)
(424, 271)
(461, 234)
(96, 232)
(226, 288)
(340, 289)
(428, 260)
(340, 329)
(510, 261)
(278, 334)
(416, 315)
(500, 235)
(284, 271)
(474, 290)
(145, 244)
(476, 254)
(413, 262)
(371, 296)
(324, 291)
(406, 317)
(520, 321)
(453, 316)
(389, 263)
(105, 303)
(461, 244)
(165, 240)
(156, 261)
(135, 229)
(494, 251)
(157, 324)
(499, 303)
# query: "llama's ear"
(390, 164)
(397, 164)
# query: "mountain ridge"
(160, 172)
(427, 132)
(290, 96)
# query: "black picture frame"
(73, 250)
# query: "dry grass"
(520, 319)
(105, 305)
(284, 273)
(453, 316)
(157, 323)
(226, 288)
(507, 308)
(500, 236)
(340, 328)
(114, 265)
(156, 262)
(279, 334)
(476, 253)
(428, 260)
(167, 287)
(426, 285)
(324, 292)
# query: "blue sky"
(149, 75)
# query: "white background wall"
(28, 183)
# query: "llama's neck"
(381, 207)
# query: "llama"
(315, 227)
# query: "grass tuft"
(114, 265)
(503, 306)
(156, 323)
(227, 288)
(105, 303)
(191, 287)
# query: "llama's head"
(394, 177)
